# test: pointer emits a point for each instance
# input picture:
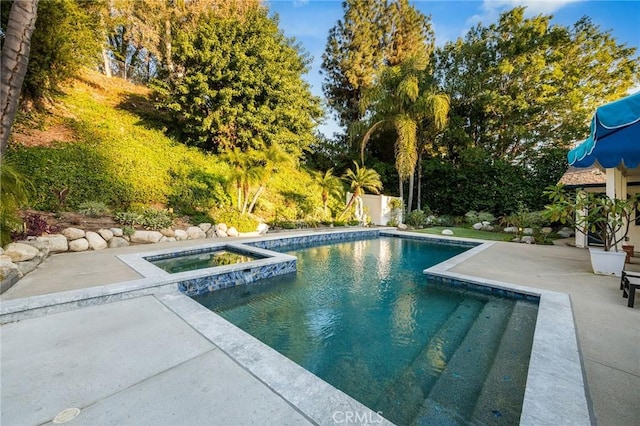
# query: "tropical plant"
(402, 100)
(606, 218)
(330, 186)
(14, 190)
(360, 179)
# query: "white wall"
(377, 207)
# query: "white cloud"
(491, 9)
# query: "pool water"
(208, 259)
(362, 316)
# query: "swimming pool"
(362, 316)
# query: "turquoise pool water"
(207, 259)
(363, 317)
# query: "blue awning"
(614, 137)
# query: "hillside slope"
(104, 141)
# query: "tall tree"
(521, 84)
(14, 59)
(372, 33)
(239, 84)
(354, 52)
(401, 100)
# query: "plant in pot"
(603, 218)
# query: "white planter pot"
(607, 262)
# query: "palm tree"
(329, 185)
(13, 63)
(244, 173)
(403, 100)
(268, 163)
(361, 180)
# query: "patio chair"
(629, 283)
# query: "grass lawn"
(469, 233)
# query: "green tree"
(360, 179)
(403, 101)
(65, 39)
(330, 185)
(372, 33)
(239, 84)
(354, 51)
(521, 84)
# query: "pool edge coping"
(551, 395)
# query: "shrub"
(155, 219)
(196, 190)
(242, 222)
(94, 209)
(13, 195)
(416, 218)
(149, 218)
(33, 225)
(473, 216)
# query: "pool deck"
(104, 358)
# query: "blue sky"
(309, 22)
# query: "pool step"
(500, 400)
(453, 397)
(402, 399)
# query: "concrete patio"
(104, 359)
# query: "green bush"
(473, 217)
(195, 190)
(13, 195)
(416, 218)
(242, 222)
(94, 209)
(149, 218)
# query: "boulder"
(117, 232)
(263, 228)
(566, 232)
(204, 226)
(163, 239)
(232, 232)
(528, 239)
(171, 239)
(477, 226)
(96, 242)
(195, 233)
(486, 223)
(447, 232)
(20, 252)
(528, 231)
(220, 233)
(1, 251)
(81, 244)
(510, 229)
(222, 227)
(57, 242)
(180, 235)
(116, 242)
(487, 227)
(211, 233)
(73, 233)
(106, 234)
(402, 227)
(25, 267)
(168, 232)
(546, 230)
(7, 267)
(146, 237)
